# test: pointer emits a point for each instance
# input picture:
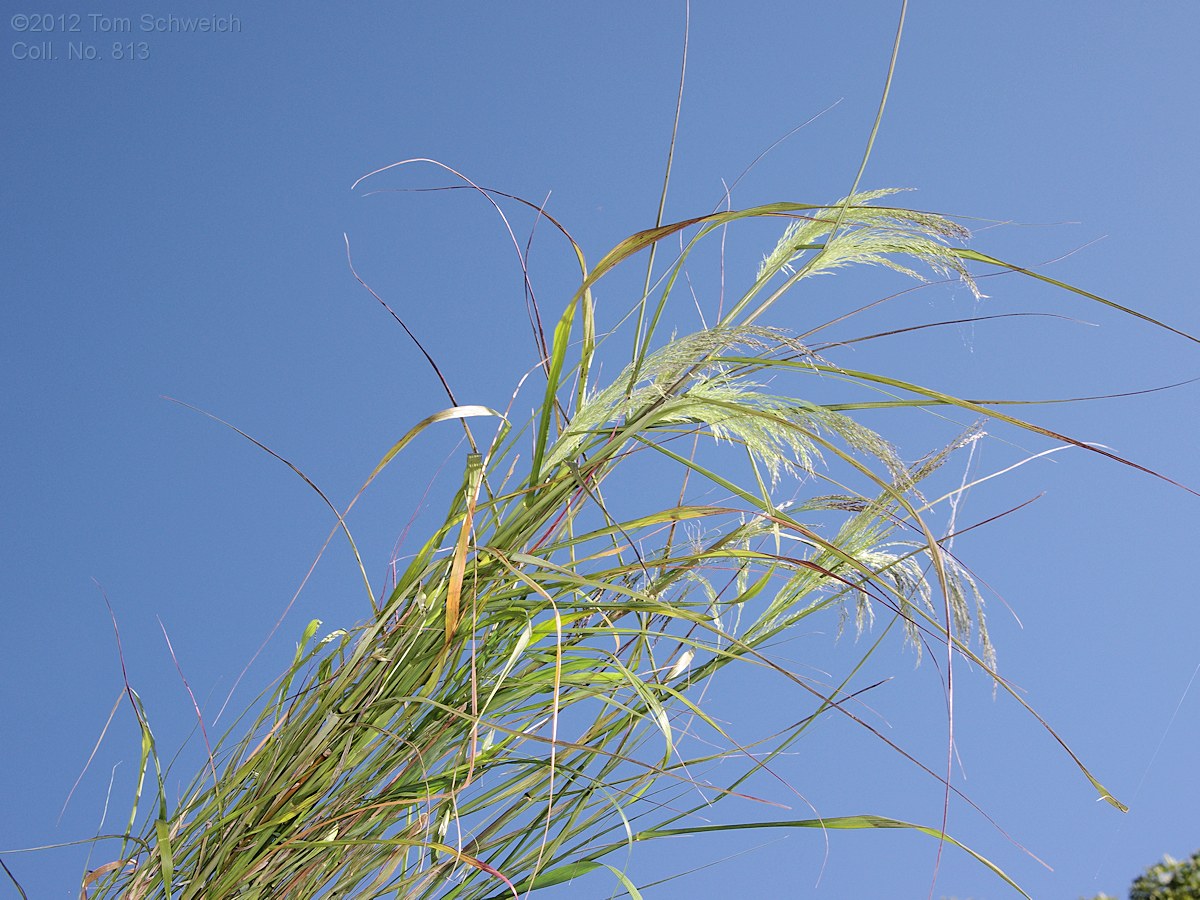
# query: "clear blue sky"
(171, 224)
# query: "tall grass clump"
(527, 699)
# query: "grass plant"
(527, 699)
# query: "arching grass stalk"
(528, 700)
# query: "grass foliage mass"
(527, 700)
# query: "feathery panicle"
(869, 235)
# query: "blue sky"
(172, 225)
